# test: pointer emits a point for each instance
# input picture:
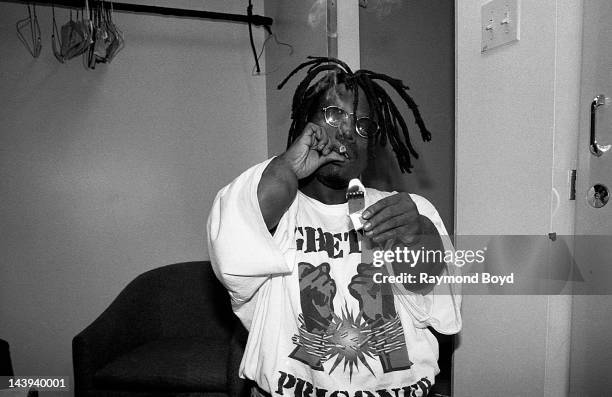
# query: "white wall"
(516, 122)
(105, 174)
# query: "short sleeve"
(441, 307)
(243, 253)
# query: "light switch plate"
(500, 23)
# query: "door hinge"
(572, 190)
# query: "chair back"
(189, 299)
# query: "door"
(591, 340)
(415, 42)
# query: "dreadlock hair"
(307, 96)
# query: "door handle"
(596, 149)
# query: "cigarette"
(342, 150)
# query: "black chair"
(6, 369)
(6, 366)
(170, 332)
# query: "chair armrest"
(237, 387)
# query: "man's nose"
(345, 129)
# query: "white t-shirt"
(316, 327)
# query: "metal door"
(591, 335)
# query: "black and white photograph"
(305, 198)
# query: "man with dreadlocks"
(322, 321)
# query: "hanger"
(107, 38)
(96, 36)
(118, 41)
(75, 37)
(56, 41)
(89, 57)
(31, 21)
(279, 43)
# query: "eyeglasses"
(365, 126)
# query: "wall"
(415, 43)
(382, 48)
(105, 174)
(291, 27)
(516, 122)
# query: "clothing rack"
(256, 20)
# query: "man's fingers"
(403, 199)
(318, 135)
(379, 205)
(322, 140)
(388, 235)
(311, 135)
(328, 148)
(382, 216)
(398, 234)
(392, 223)
(310, 130)
(319, 139)
(332, 156)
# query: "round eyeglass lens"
(334, 116)
(366, 127)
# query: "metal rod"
(257, 20)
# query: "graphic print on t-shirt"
(339, 335)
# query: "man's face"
(338, 174)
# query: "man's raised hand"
(279, 182)
(310, 150)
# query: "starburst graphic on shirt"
(350, 340)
